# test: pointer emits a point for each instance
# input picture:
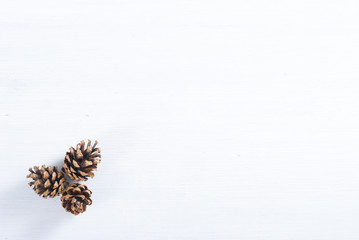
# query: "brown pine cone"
(80, 162)
(47, 182)
(75, 198)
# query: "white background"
(217, 119)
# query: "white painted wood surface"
(217, 119)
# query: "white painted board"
(223, 120)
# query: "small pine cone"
(75, 198)
(47, 182)
(80, 162)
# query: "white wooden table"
(226, 120)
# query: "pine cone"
(80, 162)
(75, 198)
(47, 182)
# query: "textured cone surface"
(80, 163)
(47, 181)
(75, 198)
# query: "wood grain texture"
(216, 119)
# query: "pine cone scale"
(75, 164)
(87, 163)
(47, 183)
(79, 154)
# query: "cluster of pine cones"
(79, 165)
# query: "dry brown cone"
(80, 162)
(75, 198)
(47, 181)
